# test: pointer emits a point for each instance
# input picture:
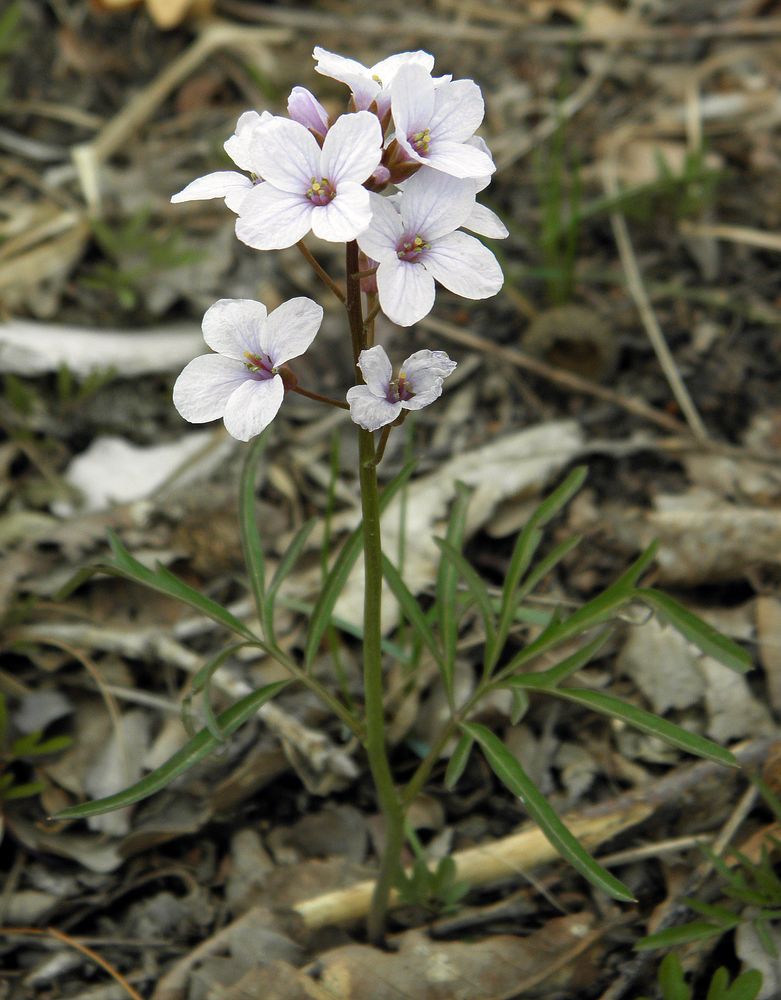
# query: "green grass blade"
(334, 582)
(510, 773)
(166, 582)
(251, 542)
(698, 930)
(447, 585)
(546, 679)
(201, 682)
(202, 744)
(647, 722)
(693, 628)
(458, 761)
(476, 587)
(411, 609)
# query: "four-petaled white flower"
(418, 243)
(241, 383)
(305, 187)
(382, 399)
(369, 83)
(435, 121)
(229, 184)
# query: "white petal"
(217, 185)
(484, 222)
(352, 148)
(239, 145)
(412, 100)
(406, 290)
(204, 387)
(253, 406)
(357, 77)
(434, 204)
(368, 411)
(458, 110)
(376, 370)
(464, 266)
(286, 154)
(386, 69)
(345, 217)
(425, 371)
(272, 219)
(290, 329)
(385, 229)
(233, 327)
(458, 159)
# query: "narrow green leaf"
(202, 744)
(251, 542)
(693, 628)
(545, 679)
(544, 566)
(475, 585)
(520, 705)
(411, 608)
(647, 722)
(201, 683)
(333, 584)
(458, 761)
(447, 585)
(53, 745)
(165, 582)
(510, 772)
(288, 560)
(671, 979)
(698, 930)
(24, 791)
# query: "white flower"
(240, 383)
(382, 399)
(308, 188)
(304, 107)
(434, 122)
(372, 83)
(229, 184)
(418, 243)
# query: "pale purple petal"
(434, 204)
(348, 71)
(412, 101)
(386, 69)
(406, 290)
(458, 110)
(233, 327)
(272, 219)
(376, 370)
(369, 411)
(290, 329)
(484, 222)
(205, 385)
(345, 217)
(424, 372)
(253, 406)
(217, 185)
(239, 145)
(352, 148)
(286, 154)
(304, 107)
(464, 266)
(459, 159)
(385, 230)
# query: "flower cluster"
(399, 173)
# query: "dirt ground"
(638, 332)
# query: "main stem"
(372, 638)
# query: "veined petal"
(290, 329)
(217, 185)
(484, 222)
(385, 229)
(205, 385)
(458, 159)
(434, 204)
(464, 266)
(286, 154)
(458, 110)
(424, 371)
(412, 100)
(386, 69)
(345, 217)
(352, 148)
(376, 370)
(239, 145)
(406, 290)
(348, 71)
(233, 327)
(272, 219)
(368, 410)
(252, 407)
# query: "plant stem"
(320, 271)
(320, 399)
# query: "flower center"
(321, 191)
(260, 366)
(420, 141)
(411, 247)
(398, 390)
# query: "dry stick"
(637, 290)
(567, 380)
(736, 234)
(88, 156)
